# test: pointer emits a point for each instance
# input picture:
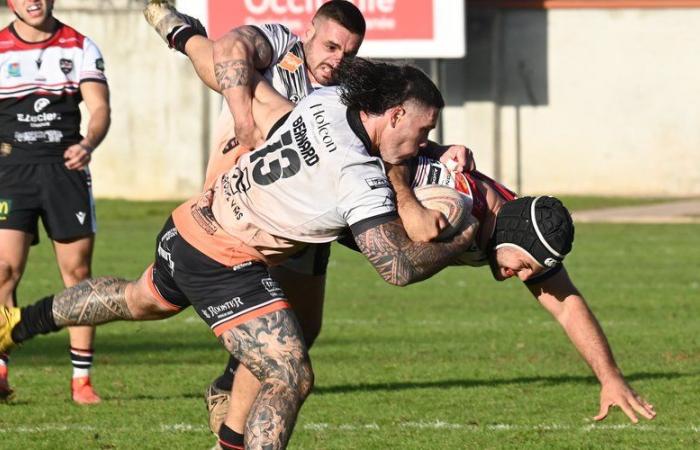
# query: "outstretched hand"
(619, 393)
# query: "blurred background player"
(46, 69)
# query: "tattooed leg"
(92, 302)
(272, 348)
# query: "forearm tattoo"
(232, 73)
(272, 348)
(92, 302)
(237, 71)
(401, 261)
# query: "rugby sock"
(179, 36)
(229, 439)
(82, 361)
(36, 319)
(225, 381)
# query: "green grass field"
(459, 361)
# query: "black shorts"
(312, 260)
(61, 197)
(224, 297)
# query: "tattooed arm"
(236, 57)
(400, 261)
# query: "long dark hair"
(374, 87)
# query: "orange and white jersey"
(311, 179)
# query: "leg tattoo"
(273, 349)
(92, 302)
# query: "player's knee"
(75, 275)
(298, 376)
(8, 274)
(306, 381)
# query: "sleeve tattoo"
(401, 261)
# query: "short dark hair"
(345, 13)
(374, 87)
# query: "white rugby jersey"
(40, 93)
(286, 74)
(311, 179)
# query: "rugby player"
(526, 238)
(47, 69)
(319, 172)
(294, 66)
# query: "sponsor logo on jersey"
(5, 149)
(272, 286)
(290, 62)
(307, 151)
(223, 310)
(5, 208)
(47, 136)
(100, 64)
(40, 104)
(40, 120)
(202, 213)
(66, 65)
(13, 70)
(322, 127)
(377, 182)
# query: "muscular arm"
(561, 298)
(96, 97)
(400, 261)
(236, 56)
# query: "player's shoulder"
(67, 36)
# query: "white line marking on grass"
(47, 428)
(182, 427)
(471, 427)
(323, 427)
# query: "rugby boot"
(5, 389)
(216, 401)
(9, 317)
(83, 392)
(167, 20)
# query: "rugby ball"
(453, 204)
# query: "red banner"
(386, 19)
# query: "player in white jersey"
(214, 252)
(294, 66)
(46, 70)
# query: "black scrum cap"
(541, 226)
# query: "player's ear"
(396, 114)
(310, 31)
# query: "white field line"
(46, 428)
(329, 427)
